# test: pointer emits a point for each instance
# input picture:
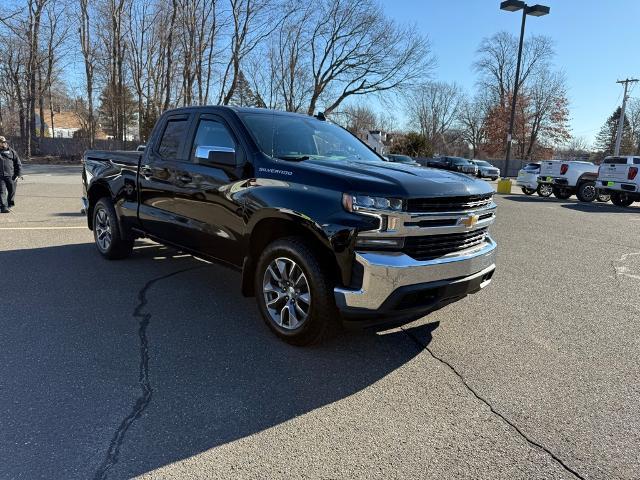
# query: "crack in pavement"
(422, 346)
(143, 400)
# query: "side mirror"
(214, 155)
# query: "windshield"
(460, 161)
(298, 138)
(482, 163)
(401, 159)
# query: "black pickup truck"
(322, 229)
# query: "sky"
(596, 43)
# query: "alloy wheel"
(103, 230)
(286, 292)
(589, 192)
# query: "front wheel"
(587, 192)
(528, 191)
(544, 190)
(294, 291)
(561, 193)
(106, 232)
(621, 199)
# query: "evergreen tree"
(606, 139)
(116, 114)
(244, 96)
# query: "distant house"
(65, 125)
(376, 139)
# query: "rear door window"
(616, 160)
(172, 140)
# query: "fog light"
(383, 243)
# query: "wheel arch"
(98, 190)
(269, 229)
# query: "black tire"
(621, 199)
(528, 191)
(544, 190)
(321, 320)
(603, 197)
(107, 227)
(587, 192)
(561, 193)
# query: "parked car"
(454, 164)
(319, 225)
(567, 178)
(140, 148)
(618, 176)
(486, 170)
(528, 180)
(404, 159)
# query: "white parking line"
(42, 228)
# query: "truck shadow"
(573, 204)
(600, 208)
(73, 376)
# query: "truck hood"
(386, 179)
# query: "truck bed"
(117, 156)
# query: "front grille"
(449, 204)
(434, 246)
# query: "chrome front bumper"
(387, 272)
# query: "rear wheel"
(621, 199)
(294, 291)
(561, 193)
(587, 192)
(528, 191)
(106, 232)
(544, 189)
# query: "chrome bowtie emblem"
(469, 221)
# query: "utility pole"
(621, 119)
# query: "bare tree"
(575, 148)
(496, 62)
(433, 110)
(548, 112)
(252, 22)
(633, 114)
(89, 55)
(471, 121)
(357, 50)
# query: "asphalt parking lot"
(157, 367)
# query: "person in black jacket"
(10, 169)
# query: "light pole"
(535, 11)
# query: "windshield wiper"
(294, 158)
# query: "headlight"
(353, 203)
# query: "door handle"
(184, 178)
(146, 172)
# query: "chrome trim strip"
(385, 272)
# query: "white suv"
(528, 180)
(571, 178)
(620, 178)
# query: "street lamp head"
(538, 10)
(512, 5)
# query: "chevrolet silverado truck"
(571, 178)
(618, 176)
(321, 228)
